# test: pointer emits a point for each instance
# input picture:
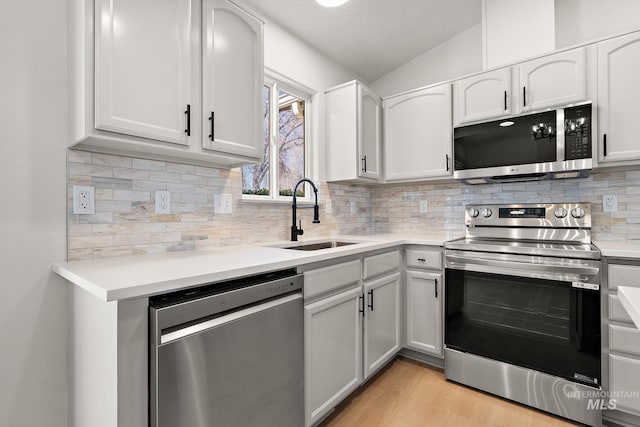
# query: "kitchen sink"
(319, 245)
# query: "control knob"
(473, 212)
(578, 212)
(486, 212)
(560, 212)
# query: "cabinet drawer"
(617, 311)
(379, 264)
(622, 338)
(425, 258)
(624, 275)
(624, 377)
(333, 277)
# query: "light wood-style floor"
(409, 394)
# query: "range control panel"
(552, 215)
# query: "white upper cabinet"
(618, 107)
(483, 96)
(353, 133)
(418, 134)
(139, 72)
(143, 68)
(232, 80)
(549, 81)
(553, 80)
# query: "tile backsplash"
(125, 222)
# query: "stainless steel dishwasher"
(229, 354)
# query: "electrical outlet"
(84, 201)
(353, 207)
(163, 202)
(423, 206)
(609, 203)
(222, 204)
(327, 206)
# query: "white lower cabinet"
(333, 351)
(381, 322)
(424, 293)
(621, 344)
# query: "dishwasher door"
(244, 369)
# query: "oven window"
(539, 324)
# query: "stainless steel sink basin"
(319, 245)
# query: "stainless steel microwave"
(543, 145)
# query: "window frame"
(277, 82)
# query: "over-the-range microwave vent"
(551, 144)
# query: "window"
(285, 145)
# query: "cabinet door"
(369, 132)
(143, 68)
(382, 322)
(483, 96)
(232, 80)
(553, 80)
(618, 89)
(424, 293)
(624, 377)
(418, 134)
(333, 352)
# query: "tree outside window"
(284, 145)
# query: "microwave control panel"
(577, 132)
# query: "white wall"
(585, 20)
(33, 372)
(456, 57)
(303, 64)
(514, 30)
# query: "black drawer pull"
(421, 259)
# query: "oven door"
(541, 313)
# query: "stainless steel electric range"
(522, 304)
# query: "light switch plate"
(424, 206)
(222, 204)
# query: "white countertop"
(619, 249)
(630, 299)
(138, 276)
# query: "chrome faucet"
(295, 230)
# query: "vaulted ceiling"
(372, 37)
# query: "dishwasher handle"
(191, 329)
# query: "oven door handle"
(521, 268)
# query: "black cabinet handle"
(604, 144)
(370, 305)
(505, 100)
(188, 113)
(524, 96)
(361, 310)
(446, 160)
(212, 119)
(421, 259)
(435, 282)
(364, 164)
